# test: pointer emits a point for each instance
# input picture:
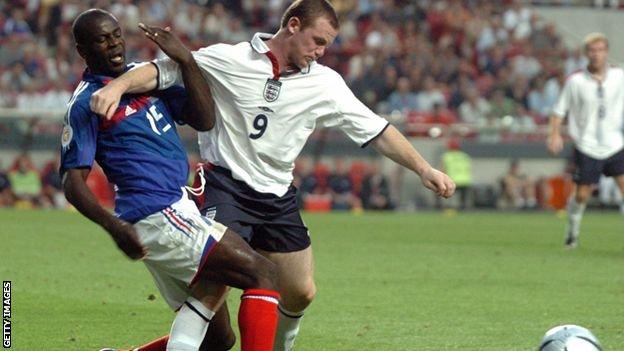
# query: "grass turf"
(424, 281)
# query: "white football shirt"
(595, 112)
(263, 123)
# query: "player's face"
(597, 54)
(106, 51)
(310, 43)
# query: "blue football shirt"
(139, 148)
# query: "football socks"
(190, 326)
(257, 319)
(287, 329)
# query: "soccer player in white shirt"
(270, 94)
(593, 101)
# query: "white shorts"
(178, 240)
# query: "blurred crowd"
(24, 184)
(354, 185)
(485, 63)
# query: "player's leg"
(615, 168)
(576, 208)
(295, 272)
(232, 262)
(220, 336)
(619, 180)
(186, 249)
(586, 173)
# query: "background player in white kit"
(270, 94)
(593, 101)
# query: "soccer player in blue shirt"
(191, 258)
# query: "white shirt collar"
(258, 42)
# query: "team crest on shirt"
(66, 135)
(272, 89)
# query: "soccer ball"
(569, 338)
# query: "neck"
(597, 71)
(277, 45)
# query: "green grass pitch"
(424, 281)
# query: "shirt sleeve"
(79, 138)
(175, 98)
(356, 120)
(212, 60)
(563, 103)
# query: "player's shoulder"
(617, 71)
(222, 50)
(325, 74)
(81, 98)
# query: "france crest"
(272, 89)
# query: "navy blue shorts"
(267, 221)
(587, 170)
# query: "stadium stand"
(483, 70)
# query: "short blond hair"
(594, 38)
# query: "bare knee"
(298, 298)
(582, 194)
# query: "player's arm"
(555, 140)
(141, 79)
(199, 110)
(392, 144)
(78, 194)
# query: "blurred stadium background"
(473, 76)
(476, 76)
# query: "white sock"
(622, 207)
(575, 215)
(287, 329)
(190, 326)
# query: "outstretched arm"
(199, 110)
(79, 195)
(392, 144)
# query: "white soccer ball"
(569, 338)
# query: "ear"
(82, 51)
(294, 25)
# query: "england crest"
(272, 89)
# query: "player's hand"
(168, 43)
(105, 100)
(438, 182)
(127, 240)
(554, 143)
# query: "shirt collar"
(591, 76)
(258, 42)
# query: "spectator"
(538, 101)
(429, 96)
(25, 183)
(376, 190)
(474, 109)
(518, 188)
(458, 165)
(403, 99)
(501, 105)
(341, 188)
(52, 188)
(6, 195)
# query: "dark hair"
(84, 22)
(309, 10)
